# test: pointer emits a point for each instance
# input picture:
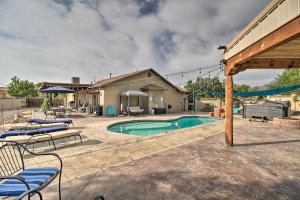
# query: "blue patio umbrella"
(57, 89)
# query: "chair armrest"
(21, 179)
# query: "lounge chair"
(51, 121)
(135, 110)
(19, 181)
(32, 131)
(50, 137)
(24, 126)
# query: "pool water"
(150, 127)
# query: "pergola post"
(229, 111)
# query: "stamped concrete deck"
(264, 164)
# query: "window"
(149, 74)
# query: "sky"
(53, 40)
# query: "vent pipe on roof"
(110, 74)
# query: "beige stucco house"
(160, 93)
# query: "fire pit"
(287, 122)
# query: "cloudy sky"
(53, 40)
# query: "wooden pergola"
(270, 41)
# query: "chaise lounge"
(24, 126)
(33, 131)
(51, 121)
(45, 137)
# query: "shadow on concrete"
(265, 143)
(179, 185)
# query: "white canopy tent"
(135, 93)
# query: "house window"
(149, 74)
(157, 98)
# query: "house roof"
(106, 82)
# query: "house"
(157, 92)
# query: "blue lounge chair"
(19, 181)
(111, 111)
(51, 121)
(32, 131)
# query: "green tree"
(45, 105)
(289, 77)
(205, 87)
(242, 88)
(21, 88)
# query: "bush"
(45, 104)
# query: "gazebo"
(270, 41)
(134, 93)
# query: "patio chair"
(111, 111)
(83, 108)
(19, 181)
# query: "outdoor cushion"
(32, 131)
(36, 179)
(50, 121)
(25, 126)
(39, 171)
(23, 139)
(15, 189)
(67, 133)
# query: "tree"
(45, 105)
(205, 87)
(289, 77)
(21, 88)
(242, 88)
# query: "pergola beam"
(282, 35)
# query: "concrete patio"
(264, 164)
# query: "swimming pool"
(150, 127)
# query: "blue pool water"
(150, 127)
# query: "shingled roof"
(106, 82)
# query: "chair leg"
(53, 144)
(80, 138)
(59, 185)
(40, 195)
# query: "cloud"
(52, 40)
